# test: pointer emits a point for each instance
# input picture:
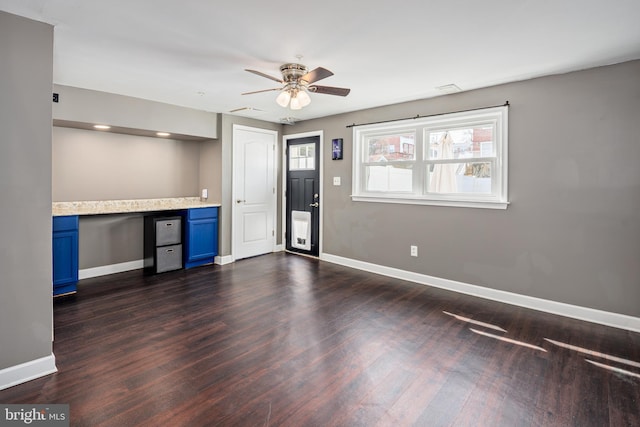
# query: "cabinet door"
(202, 239)
(65, 259)
(201, 236)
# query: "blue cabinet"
(65, 254)
(200, 236)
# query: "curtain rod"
(506, 104)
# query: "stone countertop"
(99, 207)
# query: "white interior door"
(254, 191)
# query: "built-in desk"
(101, 207)
(201, 231)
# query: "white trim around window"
(457, 159)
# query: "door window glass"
(302, 157)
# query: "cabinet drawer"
(202, 213)
(65, 223)
(168, 231)
(168, 258)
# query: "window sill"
(433, 202)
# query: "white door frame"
(285, 138)
(234, 154)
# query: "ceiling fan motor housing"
(292, 72)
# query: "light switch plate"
(205, 193)
(336, 180)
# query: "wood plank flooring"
(283, 340)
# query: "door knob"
(314, 205)
(240, 201)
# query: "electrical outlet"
(205, 193)
(336, 180)
(414, 250)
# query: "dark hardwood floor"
(283, 340)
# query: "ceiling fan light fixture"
(304, 98)
(295, 103)
(284, 98)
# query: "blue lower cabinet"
(65, 254)
(200, 236)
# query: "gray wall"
(572, 231)
(95, 165)
(210, 170)
(110, 239)
(26, 49)
(95, 107)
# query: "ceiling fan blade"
(260, 91)
(275, 79)
(317, 74)
(330, 90)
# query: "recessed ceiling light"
(102, 127)
(163, 134)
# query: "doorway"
(253, 191)
(303, 201)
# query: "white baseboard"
(27, 371)
(224, 259)
(104, 270)
(228, 259)
(615, 320)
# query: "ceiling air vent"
(247, 111)
(450, 88)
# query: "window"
(302, 157)
(457, 159)
(389, 163)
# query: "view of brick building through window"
(392, 148)
(474, 142)
(456, 161)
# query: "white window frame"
(497, 117)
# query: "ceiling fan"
(297, 82)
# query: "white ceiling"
(193, 53)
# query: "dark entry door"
(303, 195)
